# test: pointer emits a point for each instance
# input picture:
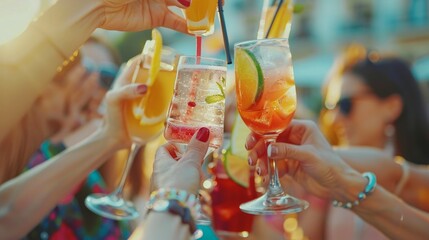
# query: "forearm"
(28, 63)
(163, 225)
(37, 191)
(386, 212)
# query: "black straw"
(224, 32)
(274, 18)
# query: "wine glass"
(144, 119)
(198, 101)
(266, 101)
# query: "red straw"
(198, 38)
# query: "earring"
(389, 132)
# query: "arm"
(28, 63)
(389, 173)
(36, 192)
(312, 162)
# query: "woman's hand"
(137, 15)
(114, 120)
(302, 152)
(184, 173)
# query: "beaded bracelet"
(187, 199)
(369, 188)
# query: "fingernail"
(141, 89)
(258, 171)
(272, 151)
(249, 160)
(185, 3)
(203, 134)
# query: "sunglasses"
(107, 72)
(345, 104)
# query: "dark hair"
(393, 76)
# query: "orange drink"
(200, 16)
(280, 23)
(266, 101)
(145, 124)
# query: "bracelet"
(175, 207)
(369, 188)
(187, 199)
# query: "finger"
(258, 151)
(302, 153)
(127, 73)
(129, 91)
(179, 3)
(165, 155)
(197, 148)
(262, 166)
(251, 140)
(175, 22)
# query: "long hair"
(389, 76)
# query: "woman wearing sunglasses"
(380, 108)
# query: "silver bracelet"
(369, 188)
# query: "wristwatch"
(175, 207)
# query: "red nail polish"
(141, 89)
(203, 134)
(185, 3)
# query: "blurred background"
(319, 33)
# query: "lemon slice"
(250, 80)
(237, 168)
(156, 56)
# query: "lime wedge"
(237, 168)
(238, 137)
(250, 80)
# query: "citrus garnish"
(237, 168)
(238, 137)
(151, 109)
(250, 80)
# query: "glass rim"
(211, 59)
(254, 41)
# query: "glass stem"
(274, 188)
(133, 152)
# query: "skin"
(55, 175)
(310, 160)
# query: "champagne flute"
(266, 101)
(145, 121)
(198, 101)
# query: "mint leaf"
(214, 98)
(221, 89)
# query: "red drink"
(226, 198)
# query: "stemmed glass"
(198, 101)
(276, 19)
(145, 121)
(266, 101)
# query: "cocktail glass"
(198, 101)
(145, 121)
(266, 101)
(276, 19)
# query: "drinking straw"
(198, 41)
(224, 33)
(274, 18)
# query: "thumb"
(129, 91)
(301, 153)
(197, 147)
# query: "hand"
(115, 124)
(136, 15)
(184, 173)
(302, 152)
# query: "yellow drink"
(146, 122)
(282, 23)
(200, 16)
